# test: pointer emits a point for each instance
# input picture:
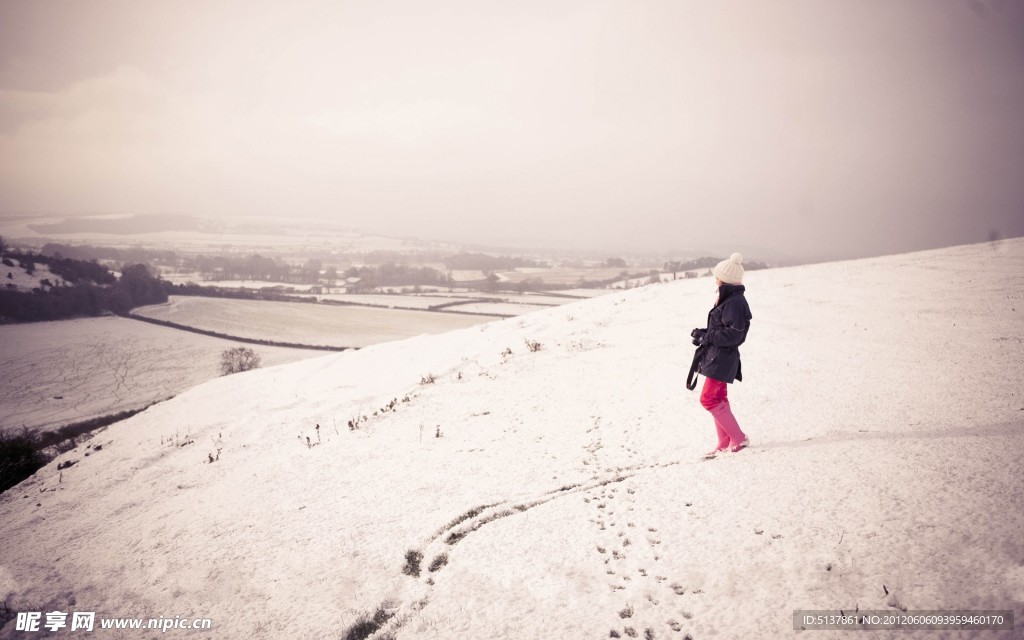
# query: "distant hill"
(129, 225)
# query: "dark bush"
(367, 626)
(238, 359)
(81, 270)
(413, 559)
(19, 457)
(437, 563)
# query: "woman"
(728, 323)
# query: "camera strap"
(691, 377)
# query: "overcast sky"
(814, 127)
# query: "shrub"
(413, 558)
(238, 359)
(368, 625)
(438, 562)
(20, 457)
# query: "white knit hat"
(730, 271)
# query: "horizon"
(773, 257)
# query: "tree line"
(392, 274)
(699, 264)
(486, 263)
(91, 290)
(131, 255)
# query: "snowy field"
(301, 323)
(583, 293)
(560, 493)
(497, 308)
(415, 301)
(493, 305)
(57, 373)
(536, 299)
(194, 278)
(467, 275)
(496, 305)
(509, 303)
(388, 301)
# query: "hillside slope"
(560, 493)
(16, 277)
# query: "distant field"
(533, 299)
(470, 302)
(467, 275)
(299, 323)
(56, 373)
(194, 278)
(387, 300)
(583, 293)
(400, 298)
(559, 276)
(500, 308)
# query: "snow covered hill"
(18, 278)
(560, 492)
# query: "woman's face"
(718, 283)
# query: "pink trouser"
(714, 398)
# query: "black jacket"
(728, 323)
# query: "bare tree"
(238, 359)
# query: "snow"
(520, 303)
(394, 301)
(309, 324)
(496, 308)
(17, 278)
(567, 489)
(583, 293)
(467, 275)
(195, 278)
(56, 373)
